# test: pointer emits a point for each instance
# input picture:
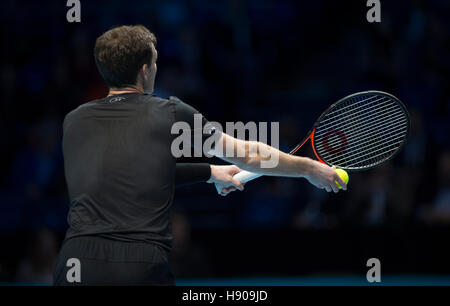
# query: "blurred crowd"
(234, 61)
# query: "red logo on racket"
(329, 148)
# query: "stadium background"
(234, 60)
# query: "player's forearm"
(261, 158)
(271, 161)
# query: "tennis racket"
(358, 132)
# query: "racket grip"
(246, 176)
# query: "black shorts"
(109, 262)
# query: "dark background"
(234, 61)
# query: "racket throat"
(314, 148)
(310, 137)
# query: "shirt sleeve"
(191, 173)
(200, 127)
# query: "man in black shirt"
(121, 173)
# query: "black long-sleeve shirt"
(119, 168)
(191, 173)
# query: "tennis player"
(121, 174)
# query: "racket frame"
(313, 129)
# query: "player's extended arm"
(253, 154)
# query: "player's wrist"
(212, 175)
(306, 166)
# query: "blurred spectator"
(35, 165)
(415, 148)
(439, 212)
(37, 266)
(270, 206)
(188, 260)
(311, 215)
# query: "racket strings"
(361, 131)
(358, 131)
(358, 157)
(335, 114)
(357, 138)
(373, 160)
(353, 101)
(355, 128)
(351, 129)
(367, 149)
(351, 114)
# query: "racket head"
(361, 131)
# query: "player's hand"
(222, 177)
(324, 177)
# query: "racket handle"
(246, 176)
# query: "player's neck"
(128, 89)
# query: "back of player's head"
(121, 52)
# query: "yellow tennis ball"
(343, 175)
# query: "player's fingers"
(334, 187)
(235, 169)
(230, 189)
(225, 192)
(340, 181)
(237, 184)
(328, 188)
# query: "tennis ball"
(343, 175)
